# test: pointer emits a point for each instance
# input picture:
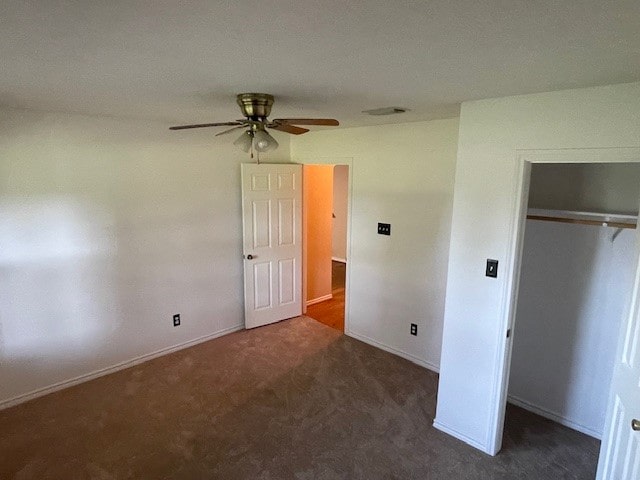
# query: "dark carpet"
(294, 400)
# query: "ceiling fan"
(256, 107)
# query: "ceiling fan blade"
(328, 122)
(230, 130)
(201, 125)
(289, 129)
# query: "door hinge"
(508, 333)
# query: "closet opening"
(575, 285)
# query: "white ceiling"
(183, 61)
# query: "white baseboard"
(460, 436)
(319, 299)
(338, 259)
(543, 412)
(395, 351)
(25, 397)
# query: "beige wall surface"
(402, 175)
(107, 228)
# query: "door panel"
(286, 222)
(262, 286)
(261, 223)
(287, 281)
(272, 223)
(620, 451)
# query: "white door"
(272, 243)
(620, 450)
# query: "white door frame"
(524, 159)
(349, 162)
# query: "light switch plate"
(492, 268)
(384, 229)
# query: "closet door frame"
(524, 160)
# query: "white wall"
(402, 175)
(107, 228)
(340, 211)
(484, 215)
(574, 286)
(586, 187)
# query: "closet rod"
(579, 221)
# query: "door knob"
(249, 257)
(635, 424)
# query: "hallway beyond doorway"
(331, 312)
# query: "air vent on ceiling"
(386, 111)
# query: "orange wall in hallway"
(318, 224)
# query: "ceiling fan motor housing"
(256, 106)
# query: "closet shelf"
(584, 218)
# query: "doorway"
(573, 284)
(325, 242)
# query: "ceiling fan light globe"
(263, 142)
(244, 141)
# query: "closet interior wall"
(574, 288)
